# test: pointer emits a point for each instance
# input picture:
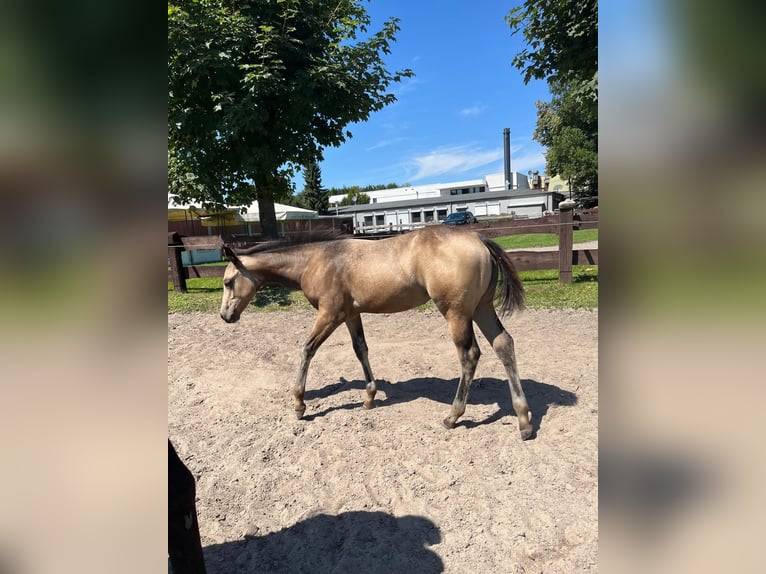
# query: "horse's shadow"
(349, 542)
(484, 391)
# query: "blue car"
(460, 218)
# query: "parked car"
(460, 218)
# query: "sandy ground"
(388, 490)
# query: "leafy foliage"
(562, 39)
(346, 189)
(562, 36)
(355, 196)
(259, 87)
(568, 128)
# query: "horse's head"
(239, 287)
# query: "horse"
(344, 278)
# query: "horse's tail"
(511, 295)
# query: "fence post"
(175, 246)
(566, 210)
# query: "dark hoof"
(448, 423)
(299, 414)
(526, 433)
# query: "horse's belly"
(394, 303)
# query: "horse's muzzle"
(233, 318)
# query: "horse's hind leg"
(356, 331)
(323, 327)
(502, 343)
(468, 352)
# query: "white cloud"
(386, 143)
(455, 159)
(472, 111)
(528, 161)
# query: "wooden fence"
(562, 259)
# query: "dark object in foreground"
(184, 546)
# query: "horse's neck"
(284, 267)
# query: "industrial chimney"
(507, 150)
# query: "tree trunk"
(267, 215)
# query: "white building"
(414, 206)
(491, 182)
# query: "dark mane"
(292, 241)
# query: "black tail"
(511, 295)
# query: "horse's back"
(399, 273)
(371, 277)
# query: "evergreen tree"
(314, 196)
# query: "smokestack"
(507, 153)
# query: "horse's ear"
(228, 252)
(234, 258)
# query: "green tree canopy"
(562, 39)
(355, 196)
(259, 87)
(568, 127)
(355, 188)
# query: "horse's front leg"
(323, 327)
(356, 331)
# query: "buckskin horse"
(344, 278)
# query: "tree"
(355, 196)
(563, 37)
(259, 87)
(568, 127)
(374, 187)
(314, 196)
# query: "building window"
(415, 215)
(453, 191)
(367, 221)
(464, 191)
(428, 215)
(441, 214)
(380, 220)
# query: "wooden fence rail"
(562, 259)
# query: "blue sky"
(447, 124)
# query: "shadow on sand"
(370, 542)
(484, 391)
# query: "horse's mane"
(290, 241)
